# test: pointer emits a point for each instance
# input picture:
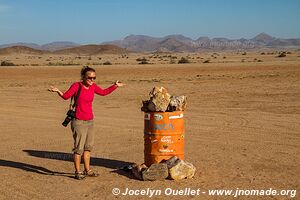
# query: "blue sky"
(96, 21)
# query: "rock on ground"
(157, 171)
(138, 169)
(179, 169)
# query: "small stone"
(137, 170)
(181, 170)
(159, 99)
(177, 103)
(171, 161)
(157, 171)
(144, 108)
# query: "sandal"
(79, 175)
(90, 173)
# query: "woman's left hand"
(119, 84)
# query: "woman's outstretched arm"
(72, 90)
(104, 92)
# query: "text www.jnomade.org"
(197, 192)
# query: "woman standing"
(82, 125)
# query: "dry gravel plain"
(242, 124)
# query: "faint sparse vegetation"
(62, 64)
(6, 63)
(206, 61)
(107, 63)
(173, 61)
(155, 80)
(96, 63)
(183, 60)
(141, 60)
(282, 54)
(244, 53)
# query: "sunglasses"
(91, 77)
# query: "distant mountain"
(174, 45)
(92, 49)
(21, 50)
(179, 38)
(284, 42)
(203, 39)
(54, 46)
(180, 43)
(30, 45)
(263, 38)
(137, 43)
(169, 43)
(84, 50)
(143, 43)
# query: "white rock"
(177, 103)
(159, 99)
(181, 170)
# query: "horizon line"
(176, 34)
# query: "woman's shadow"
(116, 165)
(32, 168)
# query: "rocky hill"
(170, 43)
(180, 43)
(80, 50)
(21, 50)
(53, 46)
(92, 50)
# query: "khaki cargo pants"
(83, 134)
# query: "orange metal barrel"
(163, 136)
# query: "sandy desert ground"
(242, 125)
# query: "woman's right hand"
(53, 89)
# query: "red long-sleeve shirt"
(85, 100)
